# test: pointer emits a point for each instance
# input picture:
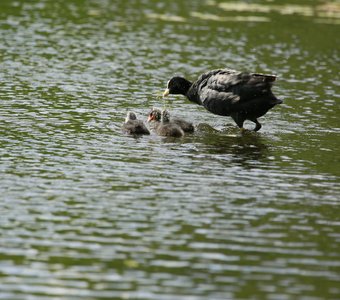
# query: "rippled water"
(90, 213)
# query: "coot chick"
(155, 116)
(167, 128)
(134, 126)
(226, 92)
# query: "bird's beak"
(150, 118)
(166, 93)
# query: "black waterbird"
(225, 92)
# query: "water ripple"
(91, 213)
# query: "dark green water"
(90, 213)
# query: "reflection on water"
(328, 12)
(211, 17)
(164, 17)
(322, 13)
(231, 143)
(88, 212)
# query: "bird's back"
(135, 127)
(185, 125)
(169, 129)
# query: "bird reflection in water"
(237, 147)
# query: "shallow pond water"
(88, 212)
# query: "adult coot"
(134, 126)
(155, 116)
(226, 92)
(165, 127)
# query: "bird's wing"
(219, 103)
(216, 90)
(242, 85)
(223, 91)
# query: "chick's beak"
(166, 93)
(150, 118)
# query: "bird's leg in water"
(239, 121)
(257, 126)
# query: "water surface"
(90, 213)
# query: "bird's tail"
(276, 101)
